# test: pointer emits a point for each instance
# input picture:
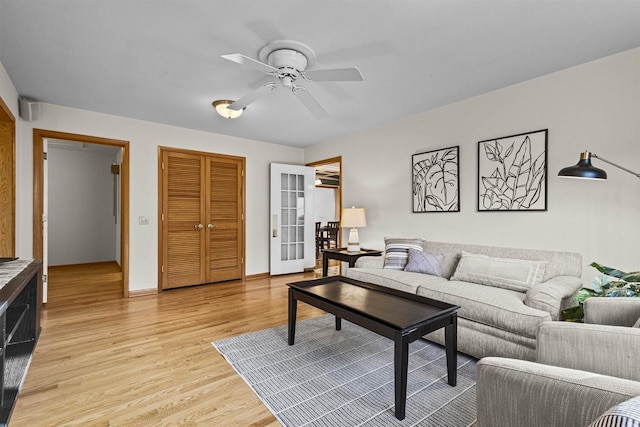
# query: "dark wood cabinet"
(20, 303)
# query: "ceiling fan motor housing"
(288, 59)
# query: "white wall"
(593, 106)
(325, 205)
(82, 227)
(145, 137)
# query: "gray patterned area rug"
(345, 378)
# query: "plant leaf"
(435, 202)
(489, 183)
(509, 150)
(583, 294)
(619, 292)
(449, 155)
(519, 172)
(634, 276)
(608, 270)
(489, 151)
(534, 182)
(573, 314)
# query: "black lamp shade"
(584, 169)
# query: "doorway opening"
(328, 199)
(112, 275)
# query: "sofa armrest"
(603, 349)
(612, 311)
(370, 262)
(548, 296)
(512, 392)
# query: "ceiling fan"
(288, 60)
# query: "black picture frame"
(436, 180)
(512, 173)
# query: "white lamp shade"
(353, 217)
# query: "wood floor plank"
(103, 360)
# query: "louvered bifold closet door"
(184, 231)
(224, 213)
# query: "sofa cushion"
(424, 262)
(625, 414)
(637, 324)
(513, 274)
(559, 263)
(501, 308)
(396, 251)
(395, 279)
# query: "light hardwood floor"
(103, 360)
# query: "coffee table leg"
(293, 306)
(401, 364)
(451, 344)
(338, 323)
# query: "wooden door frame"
(243, 251)
(38, 183)
(338, 160)
(6, 116)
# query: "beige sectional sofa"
(492, 320)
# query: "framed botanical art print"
(512, 173)
(436, 180)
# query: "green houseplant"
(622, 285)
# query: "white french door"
(45, 223)
(292, 218)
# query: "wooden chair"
(319, 238)
(331, 238)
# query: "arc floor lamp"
(585, 170)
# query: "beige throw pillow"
(514, 274)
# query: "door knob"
(211, 226)
(199, 226)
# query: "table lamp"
(353, 218)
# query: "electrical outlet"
(143, 220)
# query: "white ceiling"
(159, 60)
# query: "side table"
(341, 254)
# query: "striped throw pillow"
(396, 251)
(625, 414)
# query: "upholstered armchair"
(582, 370)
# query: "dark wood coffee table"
(397, 315)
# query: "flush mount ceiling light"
(221, 108)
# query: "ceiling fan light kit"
(287, 61)
(222, 108)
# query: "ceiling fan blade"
(245, 60)
(334, 75)
(311, 103)
(252, 97)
